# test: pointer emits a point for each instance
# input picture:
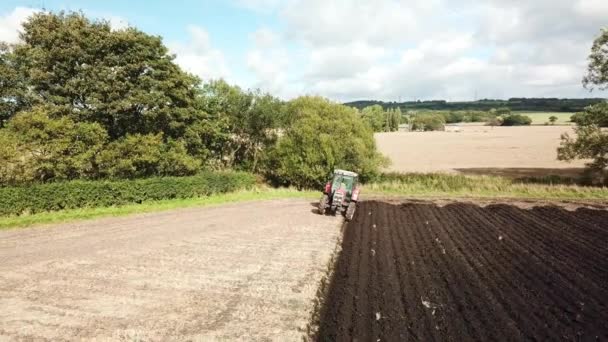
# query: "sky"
(391, 50)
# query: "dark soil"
(463, 272)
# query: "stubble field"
(462, 272)
(479, 149)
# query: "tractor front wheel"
(323, 204)
(350, 211)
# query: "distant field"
(540, 118)
(525, 151)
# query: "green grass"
(461, 186)
(402, 185)
(540, 118)
(260, 193)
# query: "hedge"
(17, 200)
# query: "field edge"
(82, 214)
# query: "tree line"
(80, 100)
(514, 104)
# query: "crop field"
(541, 118)
(460, 272)
(494, 149)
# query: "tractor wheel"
(350, 212)
(323, 204)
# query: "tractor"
(341, 194)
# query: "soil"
(237, 272)
(460, 272)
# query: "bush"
(38, 147)
(136, 156)
(516, 120)
(454, 117)
(80, 194)
(428, 122)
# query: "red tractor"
(341, 194)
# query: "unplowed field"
(464, 272)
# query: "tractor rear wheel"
(323, 204)
(350, 212)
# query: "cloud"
(199, 57)
(10, 24)
(268, 60)
(339, 22)
(418, 49)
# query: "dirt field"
(463, 272)
(477, 147)
(237, 272)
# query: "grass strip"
(63, 216)
(463, 186)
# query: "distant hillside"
(515, 104)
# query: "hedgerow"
(18, 200)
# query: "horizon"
(390, 51)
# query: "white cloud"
(326, 23)
(199, 57)
(390, 49)
(269, 62)
(10, 24)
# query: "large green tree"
(12, 86)
(323, 136)
(591, 138)
(36, 147)
(597, 70)
(375, 118)
(589, 142)
(250, 119)
(125, 80)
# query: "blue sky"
(357, 49)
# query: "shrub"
(516, 120)
(38, 147)
(428, 122)
(37, 198)
(136, 156)
(454, 117)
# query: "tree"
(399, 118)
(374, 116)
(503, 111)
(135, 156)
(12, 86)
(597, 70)
(323, 136)
(553, 119)
(124, 80)
(516, 120)
(250, 120)
(42, 148)
(428, 122)
(590, 141)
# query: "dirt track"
(463, 272)
(237, 272)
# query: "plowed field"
(464, 272)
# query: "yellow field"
(477, 149)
